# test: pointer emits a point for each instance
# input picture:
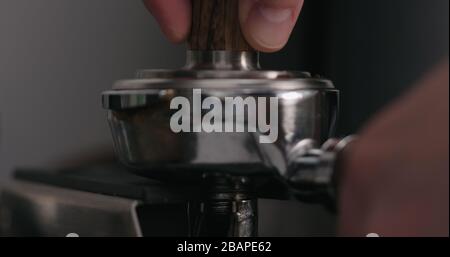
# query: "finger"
(267, 24)
(173, 16)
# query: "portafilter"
(222, 118)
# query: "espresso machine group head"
(236, 159)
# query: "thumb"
(267, 24)
(173, 16)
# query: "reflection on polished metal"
(229, 208)
(139, 118)
(226, 218)
(237, 218)
(313, 170)
(221, 60)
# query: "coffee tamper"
(229, 167)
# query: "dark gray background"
(56, 56)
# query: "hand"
(266, 24)
(396, 177)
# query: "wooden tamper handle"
(216, 27)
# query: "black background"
(372, 50)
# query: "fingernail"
(270, 27)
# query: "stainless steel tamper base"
(232, 167)
(139, 116)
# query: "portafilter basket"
(221, 65)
